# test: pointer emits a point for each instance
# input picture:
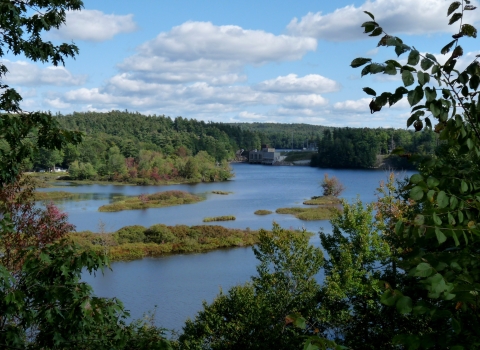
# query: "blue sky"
(232, 61)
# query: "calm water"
(178, 284)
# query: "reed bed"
(262, 212)
(220, 218)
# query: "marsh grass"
(262, 212)
(44, 196)
(220, 218)
(137, 242)
(156, 200)
(323, 200)
(310, 214)
(221, 192)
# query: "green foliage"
(126, 243)
(219, 218)
(130, 234)
(439, 236)
(331, 186)
(25, 133)
(253, 316)
(159, 234)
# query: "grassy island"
(323, 200)
(155, 200)
(54, 195)
(220, 218)
(262, 212)
(136, 242)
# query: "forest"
(140, 149)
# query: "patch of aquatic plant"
(136, 242)
(309, 214)
(155, 200)
(220, 218)
(262, 212)
(221, 192)
(54, 195)
(323, 200)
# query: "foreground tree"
(43, 303)
(254, 316)
(440, 238)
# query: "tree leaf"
(376, 32)
(407, 78)
(454, 18)
(469, 30)
(426, 63)
(404, 305)
(423, 78)
(419, 220)
(432, 182)
(447, 47)
(436, 219)
(463, 187)
(416, 193)
(453, 6)
(415, 95)
(416, 178)
(442, 200)
(413, 58)
(423, 270)
(440, 235)
(360, 61)
(371, 16)
(370, 91)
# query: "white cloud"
(57, 103)
(27, 74)
(305, 101)
(252, 116)
(360, 105)
(395, 16)
(94, 25)
(202, 51)
(312, 83)
(193, 40)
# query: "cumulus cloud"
(305, 101)
(360, 105)
(312, 83)
(202, 51)
(26, 74)
(396, 16)
(94, 25)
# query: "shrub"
(159, 234)
(331, 186)
(130, 234)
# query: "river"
(177, 284)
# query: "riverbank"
(137, 242)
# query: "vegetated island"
(262, 212)
(54, 195)
(155, 200)
(220, 218)
(137, 242)
(326, 206)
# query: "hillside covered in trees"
(135, 148)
